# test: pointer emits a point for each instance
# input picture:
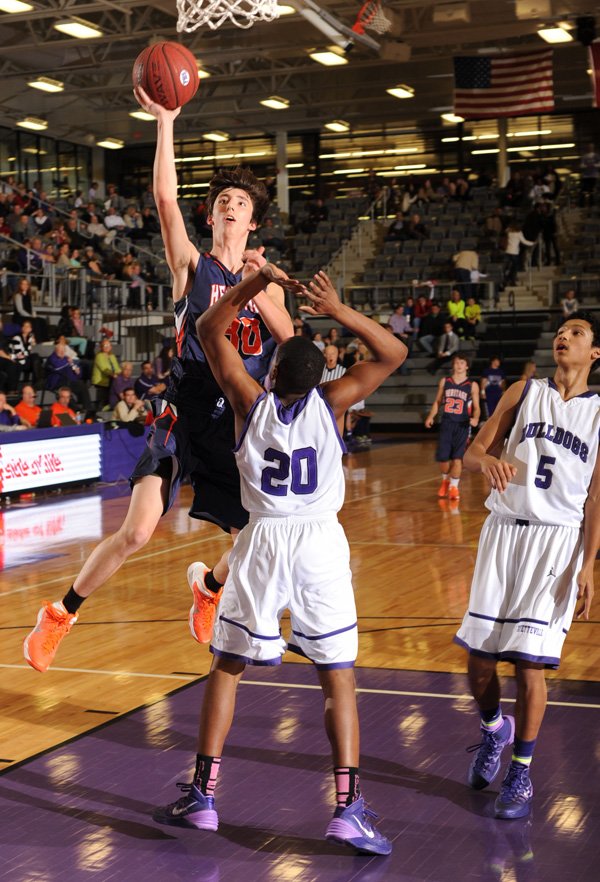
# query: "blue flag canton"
(472, 72)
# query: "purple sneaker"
(486, 764)
(352, 825)
(193, 810)
(516, 793)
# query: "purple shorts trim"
(247, 630)
(219, 653)
(510, 655)
(321, 666)
(506, 621)
(323, 636)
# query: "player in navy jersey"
(458, 399)
(193, 432)
(293, 553)
(539, 453)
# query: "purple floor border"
(82, 811)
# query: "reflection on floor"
(83, 811)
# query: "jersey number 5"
(544, 475)
(244, 334)
(303, 466)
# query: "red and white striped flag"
(595, 70)
(488, 86)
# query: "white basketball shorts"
(295, 563)
(524, 591)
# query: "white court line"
(197, 542)
(449, 695)
(114, 673)
(128, 561)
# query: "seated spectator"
(493, 384)
(27, 409)
(456, 311)
(422, 308)
(9, 369)
(74, 237)
(150, 224)
(9, 418)
(472, 318)
(114, 222)
(21, 351)
(134, 225)
(415, 229)
(106, 367)
(400, 326)
(358, 425)
(333, 337)
(140, 292)
(317, 211)
(333, 367)
(99, 232)
(318, 340)
(113, 199)
(63, 370)
(162, 362)
(432, 327)
(121, 382)
(130, 409)
(396, 231)
(447, 346)
(62, 405)
(148, 386)
(302, 328)
(23, 309)
(272, 236)
(569, 304)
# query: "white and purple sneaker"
(486, 764)
(193, 810)
(516, 793)
(352, 825)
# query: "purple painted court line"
(83, 811)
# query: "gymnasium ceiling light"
(216, 136)
(284, 9)
(33, 123)
(141, 114)
(338, 125)
(203, 74)
(401, 91)
(452, 118)
(330, 57)
(276, 103)
(46, 84)
(111, 143)
(79, 28)
(558, 33)
(13, 7)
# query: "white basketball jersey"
(290, 458)
(553, 444)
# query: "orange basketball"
(168, 73)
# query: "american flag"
(595, 69)
(487, 86)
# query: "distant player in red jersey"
(458, 398)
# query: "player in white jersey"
(293, 553)
(536, 551)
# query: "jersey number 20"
(303, 467)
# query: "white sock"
(454, 482)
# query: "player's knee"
(135, 536)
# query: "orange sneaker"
(453, 493)
(443, 491)
(53, 623)
(204, 608)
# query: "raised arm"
(182, 256)
(388, 353)
(483, 454)
(270, 302)
(239, 387)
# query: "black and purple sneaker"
(516, 793)
(352, 825)
(193, 810)
(486, 764)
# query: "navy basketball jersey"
(456, 401)
(191, 377)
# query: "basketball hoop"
(192, 14)
(372, 17)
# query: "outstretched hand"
(324, 299)
(152, 107)
(272, 273)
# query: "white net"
(192, 14)
(379, 23)
(372, 18)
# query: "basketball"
(168, 73)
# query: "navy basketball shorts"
(196, 445)
(452, 441)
